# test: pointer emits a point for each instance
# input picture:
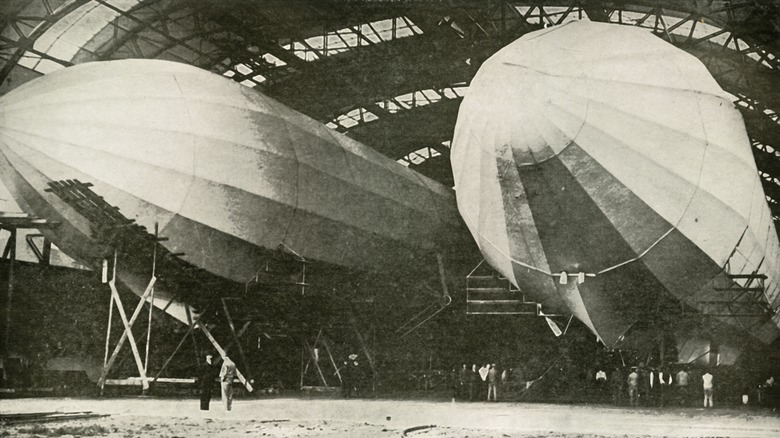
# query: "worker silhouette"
(226, 376)
(206, 376)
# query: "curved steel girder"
(139, 15)
(771, 189)
(761, 128)
(397, 135)
(379, 72)
(739, 74)
(29, 41)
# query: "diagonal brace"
(128, 333)
(223, 354)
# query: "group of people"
(468, 383)
(207, 375)
(657, 387)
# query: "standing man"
(665, 385)
(601, 384)
(616, 383)
(633, 387)
(682, 386)
(493, 382)
(644, 384)
(708, 389)
(463, 379)
(473, 381)
(483, 374)
(206, 376)
(346, 379)
(226, 376)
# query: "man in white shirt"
(226, 376)
(708, 386)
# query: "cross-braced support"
(127, 334)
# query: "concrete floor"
(297, 416)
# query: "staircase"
(492, 295)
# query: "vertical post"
(151, 302)
(10, 251)
(108, 333)
(303, 358)
(442, 275)
(46, 259)
(195, 349)
(108, 328)
(303, 278)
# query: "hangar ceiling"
(390, 74)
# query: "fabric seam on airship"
(289, 115)
(183, 199)
(594, 79)
(49, 156)
(695, 186)
(80, 227)
(192, 178)
(297, 166)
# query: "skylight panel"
(555, 10)
(431, 95)
(636, 18)
(460, 90)
(703, 29)
(404, 102)
(47, 66)
(347, 37)
(64, 38)
(354, 117)
(369, 33)
(341, 40)
(554, 13)
(420, 155)
(683, 29)
(671, 21)
(243, 69)
(347, 122)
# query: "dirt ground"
(316, 417)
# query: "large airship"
(226, 173)
(604, 171)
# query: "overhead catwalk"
(602, 169)
(227, 173)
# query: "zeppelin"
(604, 171)
(225, 172)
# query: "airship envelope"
(602, 169)
(226, 172)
